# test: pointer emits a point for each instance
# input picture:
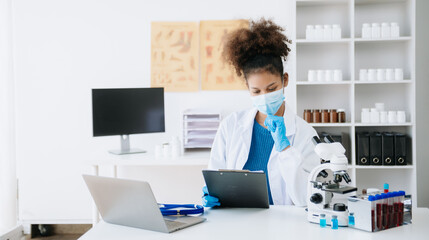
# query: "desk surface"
(142, 159)
(278, 222)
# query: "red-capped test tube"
(378, 210)
(372, 199)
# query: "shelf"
(383, 167)
(383, 124)
(306, 83)
(384, 82)
(306, 3)
(364, 2)
(400, 39)
(305, 41)
(330, 124)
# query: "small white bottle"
(365, 115)
(376, 31)
(379, 106)
(399, 74)
(320, 75)
(363, 75)
(366, 31)
(383, 117)
(372, 74)
(394, 30)
(375, 115)
(336, 31)
(390, 74)
(329, 76)
(309, 32)
(385, 30)
(381, 74)
(311, 75)
(392, 117)
(400, 117)
(338, 75)
(327, 32)
(318, 32)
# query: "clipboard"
(238, 188)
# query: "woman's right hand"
(209, 201)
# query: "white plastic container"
(336, 31)
(363, 75)
(338, 75)
(366, 31)
(327, 32)
(310, 32)
(390, 74)
(379, 106)
(400, 117)
(375, 115)
(383, 117)
(318, 32)
(311, 75)
(365, 115)
(158, 151)
(399, 74)
(381, 74)
(320, 75)
(392, 117)
(329, 76)
(394, 30)
(385, 30)
(376, 30)
(372, 74)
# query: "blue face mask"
(269, 103)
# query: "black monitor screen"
(127, 111)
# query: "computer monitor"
(126, 111)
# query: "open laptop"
(132, 203)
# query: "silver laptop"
(132, 203)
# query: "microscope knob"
(339, 207)
(316, 198)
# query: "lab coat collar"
(245, 128)
(246, 122)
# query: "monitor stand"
(125, 147)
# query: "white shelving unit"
(350, 54)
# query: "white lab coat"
(287, 171)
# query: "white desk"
(278, 222)
(97, 159)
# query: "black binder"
(375, 149)
(362, 152)
(400, 149)
(388, 149)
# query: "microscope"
(320, 193)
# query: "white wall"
(422, 101)
(8, 185)
(65, 48)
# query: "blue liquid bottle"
(334, 222)
(322, 220)
(351, 219)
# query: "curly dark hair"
(262, 47)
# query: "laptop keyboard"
(174, 224)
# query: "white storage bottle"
(366, 31)
(327, 32)
(394, 30)
(309, 32)
(385, 30)
(336, 31)
(376, 31)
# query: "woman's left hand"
(276, 125)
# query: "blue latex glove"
(209, 201)
(276, 125)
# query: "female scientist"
(268, 137)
